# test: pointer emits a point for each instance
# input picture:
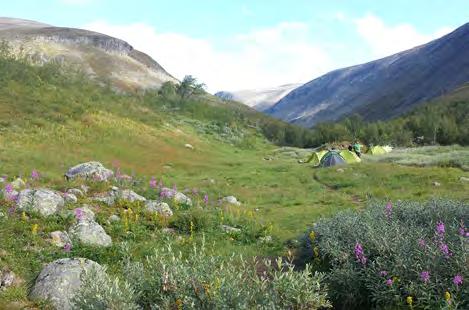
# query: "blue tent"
(332, 158)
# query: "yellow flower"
(23, 216)
(34, 229)
(316, 251)
(409, 300)
(312, 235)
(447, 296)
(395, 279)
(178, 304)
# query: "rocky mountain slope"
(259, 99)
(98, 55)
(383, 88)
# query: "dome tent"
(350, 157)
(332, 158)
(377, 150)
(316, 157)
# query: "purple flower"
(153, 183)
(388, 210)
(440, 228)
(35, 175)
(8, 188)
(359, 254)
(79, 214)
(389, 282)
(457, 280)
(67, 247)
(445, 250)
(383, 273)
(422, 243)
(206, 199)
(425, 276)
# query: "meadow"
(50, 122)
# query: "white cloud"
(262, 58)
(385, 40)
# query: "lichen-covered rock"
(178, 197)
(90, 233)
(129, 195)
(44, 201)
(60, 280)
(230, 229)
(70, 198)
(7, 278)
(114, 218)
(59, 238)
(84, 213)
(232, 200)
(75, 191)
(159, 207)
(90, 170)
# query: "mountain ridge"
(383, 88)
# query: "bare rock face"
(44, 201)
(60, 280)
(90, 170)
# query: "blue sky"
(236, 44)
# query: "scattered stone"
(7, 279)
(464, 179)
(232, 200)
(159, 207)
(340, 170)
(436, 183)
(230, 229)
(178, 197)
(18, 184)
(91, 170)
(108, 199)
(70, 198)
(59, 238)
(266, 239)
(75, 191)
(44, 201)
(90, 233)
(60, 280)
(84, 213)
(2, 215)
(188, 146)
(114, 218)
(129, 195)
(169, 231)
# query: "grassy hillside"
(52, 119)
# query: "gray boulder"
(129, 195)
(44, 201)
(60, 280)
(159, 207)
(115, 194)
(7, 278)
(84, 213)
(75, 191)
(90, 170)
(114, 218)
(90, 233)
(230, 230)
(70, 198)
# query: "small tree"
(168, 89)
(190, 86)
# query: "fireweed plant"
(394, 255)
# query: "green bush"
(168, 280)
(389, 256)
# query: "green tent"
(316, 157)
(377, 150)
(350, 157)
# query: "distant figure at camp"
(357, 148)
(350, 148)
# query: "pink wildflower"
(440, 228)
(388, 210)
(457, 280)
(389, 282)
(153, 183)
(35, 175)
(425, 276)
(67, 247)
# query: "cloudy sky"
(240, 44)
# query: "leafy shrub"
(167, 280)
(193, 220)
(390, 256)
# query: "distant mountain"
(259, 99)
(96, 54)
(383, 88)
